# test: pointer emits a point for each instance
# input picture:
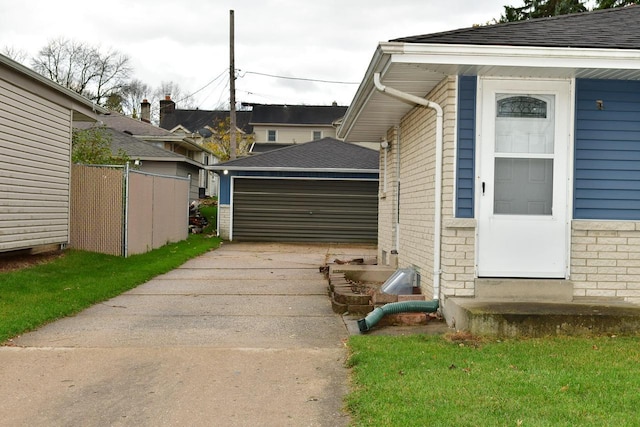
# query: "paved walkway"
(241, 336)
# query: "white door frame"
(565, 100)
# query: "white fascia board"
(364, 92)
(512, 56)
(449, 58)
(169, 159)
(287, 169)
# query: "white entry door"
(523, 178)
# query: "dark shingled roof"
(123, 123)
(325, 153)
(263, 147)
(296, 114)
(137, 149)
(598, 29)
(197, 120)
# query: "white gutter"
(220, 167)
(407, 97)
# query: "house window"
(271, 136)
(522, 106)
(317, 134)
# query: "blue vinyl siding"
(467, 90)
(607, 150)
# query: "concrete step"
(539, 319)
(535, 290)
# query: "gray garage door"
(290, 210)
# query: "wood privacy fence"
(119, 211)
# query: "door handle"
(483, 188)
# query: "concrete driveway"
(241, 336)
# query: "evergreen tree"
(542, 9)
(609, 4)
(545, 8)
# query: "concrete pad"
(540, 319)
(190, 331)
(242, 273)
(172, 387)
(243, 335)
(216, 286)
(203, 305)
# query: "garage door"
(290, 210)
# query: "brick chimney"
(167, 107)
(145, 111)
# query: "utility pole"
(232, 84)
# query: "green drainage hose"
(396, 307)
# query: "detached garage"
(319, 191)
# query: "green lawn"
(434, 381)
(34, 296)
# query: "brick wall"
(458, 257)
(416, 134)
(224, 215)
(605, 259)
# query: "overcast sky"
(188, 42)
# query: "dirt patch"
(19, 260)
(464, 338)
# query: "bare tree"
(17, 55)
(186, 101)
(83, 68)
(132, 96)
(112, 73)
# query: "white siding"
(35, 144)
(292, 134)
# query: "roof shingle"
(325, 153)
(137, 149)
(296, 114)
(198, 120)
(597, 29)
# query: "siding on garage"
(35, 144)
(317, 210)
(607, 150)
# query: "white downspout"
(396, 202)
(407, 97)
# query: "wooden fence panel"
(158, 206)
(140, 214)
(157, 210)
(97, 209)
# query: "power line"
(202, 88)
(300, 78)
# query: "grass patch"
(34, 296)
(210, 212)
(429, 380)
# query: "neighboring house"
(320, 191)
(189, 159)
(293, 124)
(36, 118)
(273, 126)
(199, 121)
(511, 151)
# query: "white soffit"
(417, 68)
